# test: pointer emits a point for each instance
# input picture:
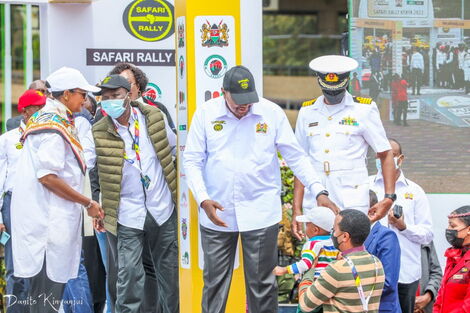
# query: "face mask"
(378, 164)
(336, 244)
(334, 97)
(452, 239)
(113, 107)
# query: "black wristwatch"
(323, 192)
(391, 196)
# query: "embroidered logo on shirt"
(313, 124)
(261, 128)
(19, 146)
(218, 125)
(409, 196)
(351, 121)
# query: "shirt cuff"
(316, 188)
(41, 173)
(201, 196)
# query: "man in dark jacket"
(383, 243)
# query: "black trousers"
(401, 109)
(416, 79)
(407, 295)
(45, 294)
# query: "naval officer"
(336, 130)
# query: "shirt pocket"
(314, 142)
(346, 136)
(354, 190)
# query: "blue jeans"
(17, 288)
(102, 244)
(77, 294)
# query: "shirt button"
(327, 151)
(330, 118)
(327, 134)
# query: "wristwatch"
(323, 192)
(391, 196)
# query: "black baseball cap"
(114, 82)
(240, 83)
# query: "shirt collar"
(401, 179)
(222, 109)
(352, 250)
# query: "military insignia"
(180, 35)
(218, 125)
(184, 228)
(244, 83)
(214, 35)
(261, 128)
(331, 78)
(313, 124)
(309, 103)
(363, 100)
(349, 121)
(409, 196)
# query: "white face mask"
(378, 164)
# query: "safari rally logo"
(214, 35)
(149, 20)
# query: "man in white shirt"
(29, 103)
(233, 171)
(46, 198)
(417, 70)
(137, 177)
(413, 228)
(336, 130)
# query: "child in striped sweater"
(318, 251)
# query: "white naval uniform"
(9, 155)
(45, 225)
(418, 220)
(234, 162)
(337, 137)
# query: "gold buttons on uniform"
(327, 151)
(327, 134)
(330, 118)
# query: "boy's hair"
(372, 198)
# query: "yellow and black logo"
(149, 20)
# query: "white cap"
(67, 78)
(337, 64)
(321, 216)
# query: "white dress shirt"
(43, 223)
(418, 220)
(9, 155)
(86, 140)
(417, 61)
(341, 147)
(234, 162)
(134, 200)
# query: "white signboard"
(398, 8)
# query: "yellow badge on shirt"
(409, 196)
(218, 125)
(261, 128)
(19, 146)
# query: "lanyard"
(357, 280)
(135, 140)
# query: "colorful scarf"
(56, 118)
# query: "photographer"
(410, 219)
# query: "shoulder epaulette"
(363, 100)
(309, 102)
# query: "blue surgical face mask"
(113, 107)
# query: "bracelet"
(89, 205)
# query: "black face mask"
(334, 96)
(452, 239)
(336, 244)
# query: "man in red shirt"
(399, 99)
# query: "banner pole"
(6, 56)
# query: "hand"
(422, 301)
(3, 228)
(297, 226)
(279, 271)
(398, 223)
(380, 209)
(211, 207)
(95, 210)
(323, 200)
(98, 225)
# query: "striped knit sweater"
(318, 252)
(335, 289)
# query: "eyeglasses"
(82, 93)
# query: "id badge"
(145, 181)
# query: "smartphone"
(4, 238)
(397, 211)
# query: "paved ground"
(437, 156)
